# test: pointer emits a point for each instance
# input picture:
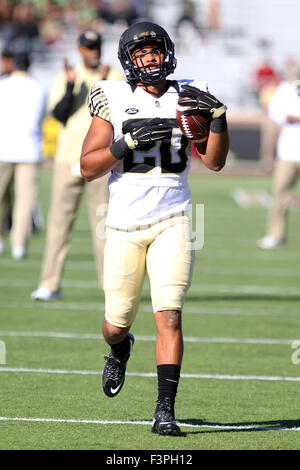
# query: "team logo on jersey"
(131, 110)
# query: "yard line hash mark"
(187, 339)
(143, 308)
(148, 423)
(220, 288)
(150, 374)
(218, 270)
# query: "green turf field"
(239, 387)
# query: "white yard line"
(70, 265)
(214, 270)
(148, 423)
(187, 339)
(100, 307)
(151, 374)
(250, 271)
(55, 306)
(200, 288)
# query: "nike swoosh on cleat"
(115, 390)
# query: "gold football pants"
(164, 250)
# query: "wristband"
(119, 149)
(123, 146)
(219, 124)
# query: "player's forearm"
(214, 152)
(96, 163)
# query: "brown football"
(195, 127)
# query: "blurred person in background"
(67, 103)
(6, 11)
(120, 11)
(213, 15)
(24, 34)
(267, 79)
(125, 11)
(7, 66)
(264, 74)
(188, 14)
(284, 110)
(53, 24)
(21, 113)
(7, 63)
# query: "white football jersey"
(152, 183)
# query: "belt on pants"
(146, 226)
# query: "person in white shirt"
(135, 136)
(23, 106)
(284, 110)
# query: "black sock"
(121, 349)
(168, 378)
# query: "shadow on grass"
(248, 426)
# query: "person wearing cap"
(23, 105)
(67, 103)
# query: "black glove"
(145, 132)
(199, 101)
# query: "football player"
(135, 136)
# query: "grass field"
(239, 387)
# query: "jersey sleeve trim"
(98, 103)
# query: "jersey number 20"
(170, 156)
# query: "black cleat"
(164, 421)
(114, 371)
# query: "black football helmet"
(140, 34)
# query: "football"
(195, 127)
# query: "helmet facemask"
(143, 73)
